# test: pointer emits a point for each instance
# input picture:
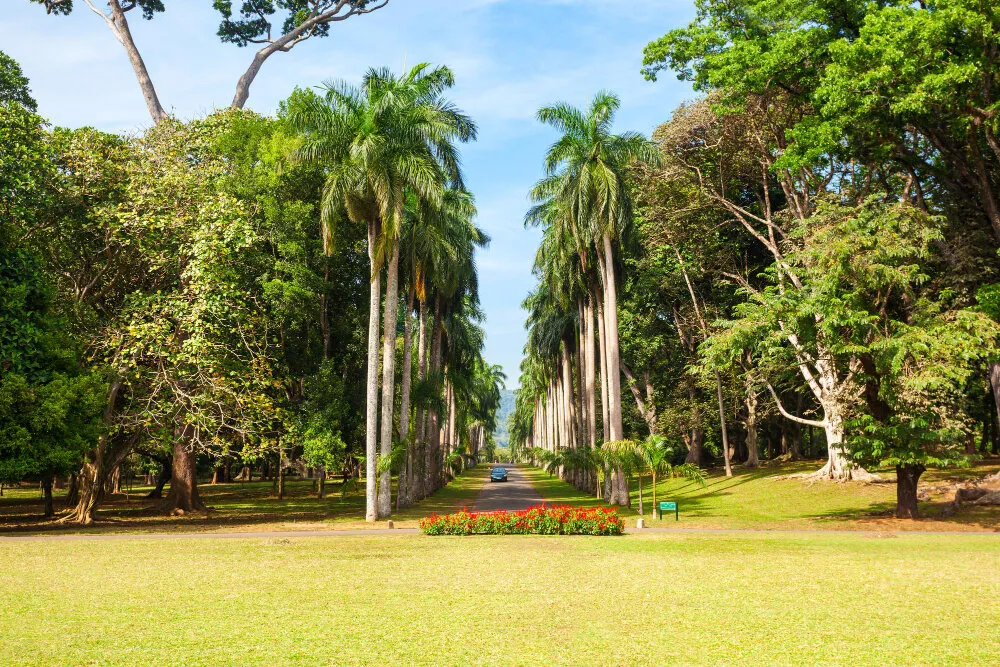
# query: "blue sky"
(509, 57)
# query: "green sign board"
(668, 507)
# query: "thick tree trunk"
(604, 368)
(995, 382)
(582, 404)
(47, 493)
(838, 466)
(404, 492)
(183, 494)
(72, 495)
(371, 394)
(696, 443)
(161, 479)
(389, 378)
(619, 489)
(321, 483)
(453, 437)
(567, 396)
(434, 418)
(753, 457)
(114, 484)
(907, 477)
(99, 462)
(420, 450)
(591, 380)
(611, 314)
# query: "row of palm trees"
(389, 147)
(584, 207)
(652, 457)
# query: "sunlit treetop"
(147, 7)
(253, 21)
(13, 84)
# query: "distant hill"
(506, 408)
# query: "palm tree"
(623, 459)
(393, 136)
(655, 454)
(586, 174)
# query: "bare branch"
(787, 415)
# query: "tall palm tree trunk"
(371, 395)
(619, 484)
(388, 378)
(582, 420)
(550, 412)
(567, 381)
(614, 357)
(404, 494)
(433, 426)
(604, 368)
(590, 348)
(454, 438)
(420, 474)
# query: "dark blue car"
(498, 474)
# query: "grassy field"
(239, 507)
(640, 599)
(760, 499)
(753, 499)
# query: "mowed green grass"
(767, 498)
(239, 507)
(651, 599)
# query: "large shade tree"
(273, 26)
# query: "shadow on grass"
(233, 505)
(759, 498)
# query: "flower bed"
(537, 520)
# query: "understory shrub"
(537, 520)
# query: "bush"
(537, 520)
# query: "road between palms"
(517, 493)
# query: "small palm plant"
(655, 453)
(621, 455)
(386, 463)
(455, 462)
(600, 464)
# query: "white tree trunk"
(388, 378)
(371, 395)
(611, 315)
(404, 495)
(590, 381)
(420, 442)
(604, 369)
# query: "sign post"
(666, 507)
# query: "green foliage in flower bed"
(538, 520)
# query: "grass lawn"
(639, 599)
(758, 499)
(239, 507)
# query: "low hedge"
(537, 520)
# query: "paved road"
(516, 493)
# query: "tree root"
(849, 474)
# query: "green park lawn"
(648, 599)
(769, 498)
(239, 507)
